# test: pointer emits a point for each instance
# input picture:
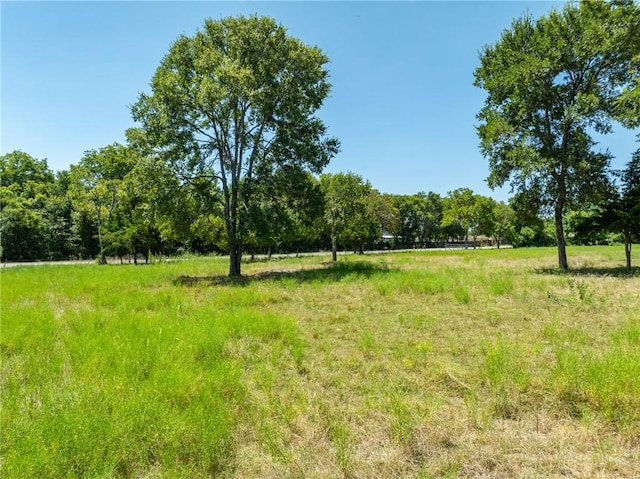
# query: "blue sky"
(403, 102)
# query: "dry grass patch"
(425, 381)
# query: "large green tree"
(550, 83)
(237, 94)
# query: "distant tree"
(387, 214)
(349, 212)
(236, 95)
(530, 229)
(287, 207)
(484, 211)
(584, 226)
(432, 213)
(550, 83)
(266, 219)
(25, 188)
(22, 226)
(460, 209)
(419, 217)
(504, 226)
(453, 230)
(62, 242)
(409, 219)
(27, 173)
(97, 188)
(622, 213)
(305, 207)
(185, 211)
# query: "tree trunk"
(235, 248)
(562, 248)
(334, 248)
(235, 244)
(235, 258)
(627, 251)
(103, 255)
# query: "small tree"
(622, 214)
(97, 188)
(504, 227)
(460, 209)
(349, 212)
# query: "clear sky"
(402, 104)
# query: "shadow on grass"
(323, 273)
(619, 272)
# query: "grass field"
(438, 364)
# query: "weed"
(582, 290)
(462, 294)
(499, 285)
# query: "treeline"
(117, 202)
(229, 152)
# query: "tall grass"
(435, 364)
(108, 372)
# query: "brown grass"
(392, 385)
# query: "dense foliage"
(229, 155)
(119, 203)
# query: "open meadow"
(487, 363)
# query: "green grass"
(434, 364)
